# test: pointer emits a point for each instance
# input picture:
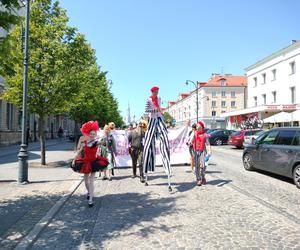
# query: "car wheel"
(296, 176)
(218, 142)
(248, 162)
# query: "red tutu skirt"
(86, 168)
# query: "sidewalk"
(23, 206)
(14, 149)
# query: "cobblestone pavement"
(22, 206)
(235, 210)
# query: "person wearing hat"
(135, 139)
(201, 147)
(88, 150)
(157, 129)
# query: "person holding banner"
(109, 144)
(135, 140)
(201, 147)
(190, 145)
(156, 130)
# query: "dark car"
(219, 136)
(237, 138)
(276, 151)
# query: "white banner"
(178, 148)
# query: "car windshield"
(236, 133)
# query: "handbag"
(77, 165)
(99, 164)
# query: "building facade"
(220, 94)
(273, 86)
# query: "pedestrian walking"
(109, 146)
(156, 130)
(87, 152)
(60, 133)
(190, 145)
(135, 140)
(201, 147)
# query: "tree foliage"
(168, 118)
(8, 14)
(63, 73)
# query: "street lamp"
(197, 104)
(23, 153)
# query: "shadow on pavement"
(218, 183)
(112, 216)
(278, 177)
(20, 215)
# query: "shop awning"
(280, 117)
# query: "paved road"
(235, 210)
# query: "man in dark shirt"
(135, 139)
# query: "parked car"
(249, 139)
(219, 136)
(209, 130)
(276, 151)
(237, 138)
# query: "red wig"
(89, 126)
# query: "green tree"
(8, 16)
(168, 118)
(52, 63)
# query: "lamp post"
(23, 153)
(197, 104)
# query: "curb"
(29, 239)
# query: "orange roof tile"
(231, 81)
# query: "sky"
(142, 43)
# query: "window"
(292, 68)
(264, 98)
(255, 100)
(255, 81)
(296, 140)
(270, 138)
(273, 74)
(274, 94)
(223, 104)
(223, 94)
(293, 94)
(233, 105)
(214, 94)
(213, 113)
(263, 78)
(213, 103)
(223, 111)
(9, 113)
(223, 83)
(286, 137)
(232, 94)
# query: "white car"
(249, 139)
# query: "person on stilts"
(157, 129)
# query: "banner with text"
(178, 148)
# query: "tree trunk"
(76, 136)
(42, 140)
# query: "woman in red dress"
(89, 147)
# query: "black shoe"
(91, 204)
(104, 178)
(142, 180)
(87, 196)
